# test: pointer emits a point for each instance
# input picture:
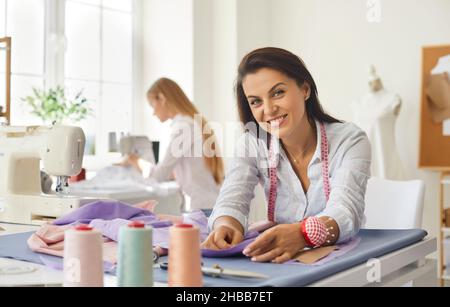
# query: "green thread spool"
(135, 263)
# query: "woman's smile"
(277, 121)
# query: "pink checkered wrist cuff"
(314, 231)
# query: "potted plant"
(52, 106)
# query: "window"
(24, 21)
(99, 60)
(94, 39)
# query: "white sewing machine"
(60, 148)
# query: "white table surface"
(36, 275)
(398, 267)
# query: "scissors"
(155, 257)
(218, 271)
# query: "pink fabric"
(341, 250)
(49, 239)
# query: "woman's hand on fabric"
(226, 234)
(278, 244)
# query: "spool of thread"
(83, 257)
(80, 177)
(184, 256)
(135, 263)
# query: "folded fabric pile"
(109, 216)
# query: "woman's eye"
(255, 103)
(278, 93)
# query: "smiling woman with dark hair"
(318, 166)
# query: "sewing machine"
(139, 146)
(22, 150)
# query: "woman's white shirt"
(184, 159)
(349, 168)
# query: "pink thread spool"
(83, 257)
(184, 257)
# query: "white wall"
(215, 57)
(222, 35)
(167, 51)
(253, 25)
(338, 44)
(203, 56)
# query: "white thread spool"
(83, 257)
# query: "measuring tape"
(273, 171)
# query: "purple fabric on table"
(109, 216)
(251, 236)
(105, 210)
(233, 251)
(196, 218)
(110, 229)
(161, 239)
(199, 219)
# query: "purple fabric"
(238, 249)
(196, 218)
(110, 229)
(234, 251)
(109, 216)
(105, 210)
(199, 219)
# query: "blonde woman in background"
(192, 156)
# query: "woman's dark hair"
(288, 64)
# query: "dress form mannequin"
(376, 113)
